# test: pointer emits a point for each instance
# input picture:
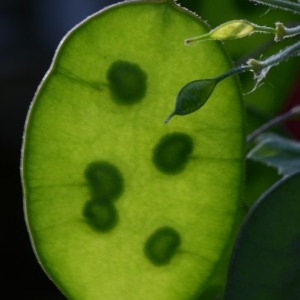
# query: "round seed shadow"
(172, 152)
(127, 82)
(105, 180)
(101, 215)
(162, 245)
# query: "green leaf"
(278, 152)
(118, 204)
(265, 262)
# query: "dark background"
(29, 34)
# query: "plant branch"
(283, 32)
(277, 120)
(261, 67)
(233, 71)
(281, 4)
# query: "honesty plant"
(122, 205)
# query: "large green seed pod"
(103, 174)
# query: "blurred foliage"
(267, 101)
(271, 97)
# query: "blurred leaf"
(265, 263)
(118, 204)
(269, 98)
(278, 152)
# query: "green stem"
(258, 66)
(263, 29)
(279, 119)
(236, 70)
(292, 31)
(282, 4)
(283, 32)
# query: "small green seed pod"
(193, 96)
(231, 30)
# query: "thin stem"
(291, 31)
(263, 29)
(283, 32)
(259, 65)
(282, 4)
(279, 119)
(236, 70)
(282, 55)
